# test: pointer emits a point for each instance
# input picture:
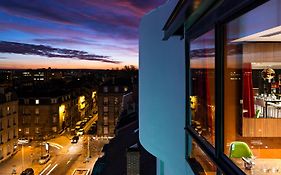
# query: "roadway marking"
(58, 146)
(42, 172)
(52, 169)
(68, 161)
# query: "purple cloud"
(62, 41)
(51, 52)
(114, 18)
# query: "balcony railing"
(220, 160)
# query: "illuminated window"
(105, 120)
(105, 89)
(37, 130)
(26, 101)
(116, 100)
(54, 129)
(37, 111)
(116, 89)
(202, 85)
(53, 100)
(105, 100)
(8, 97)
(15, 133)
(26, 130)
(252, 85)
(125, 89)
(116, 110)
(54, 119)
(105, 130)
(105, 109)
(36, 120)
(37, 101)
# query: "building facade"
(8, 123)
(231, 84)
(110, 96)
(43, 117)
(133, 160)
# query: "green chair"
(240, 149)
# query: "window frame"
(216, 155)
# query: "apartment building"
(41, 117)
(8, 123)
(110, 96)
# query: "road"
(61, 165)
(65, 156)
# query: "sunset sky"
(93, 34)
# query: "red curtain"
(248, 95)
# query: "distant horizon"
(116, 68)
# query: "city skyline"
(71, 34)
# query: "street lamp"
(89, 153)
(22, 156)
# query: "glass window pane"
(253, 89)
(202, 71)
(200, 162)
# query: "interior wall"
(270, 147)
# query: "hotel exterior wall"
(162, 93)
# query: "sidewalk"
(22, 160)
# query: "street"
(65, 156)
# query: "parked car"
(77, 128)
(27, 171)
(83, 124)
(81, 172)
(23, 141)
(78, 123)
(80, 132)
(93, 129)
(75, 139)
(44, 159)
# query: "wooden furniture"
(261, 127)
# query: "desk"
(262, 166)
(261, 127)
